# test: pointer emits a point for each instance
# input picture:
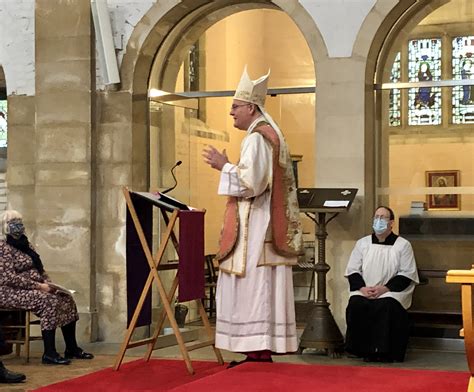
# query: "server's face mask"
(380, 225)
(16, 228)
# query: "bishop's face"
(242, 113)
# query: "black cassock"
(377, 329)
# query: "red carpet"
(169, 375)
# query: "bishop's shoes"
(248, 359)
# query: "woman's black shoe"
(54, 360)
(79, 353)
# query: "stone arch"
(402, 17)
(401, 20)
(172, 26)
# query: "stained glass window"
(394, 109)
(424, 64)
(463, 69)
(3, 123)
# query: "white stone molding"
(339, 22)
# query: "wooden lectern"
(191, 253)
(321, 331)
(466, 279)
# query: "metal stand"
(321, 331)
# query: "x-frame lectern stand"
(166, 298)
(321, 331)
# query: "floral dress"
(18, 282)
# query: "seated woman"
(24, 285)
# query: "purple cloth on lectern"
(191, 255)
(137, 264)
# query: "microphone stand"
(174, 177)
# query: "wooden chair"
(466, 279)
(210, 285)
(18, 331)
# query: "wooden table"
(466, 279)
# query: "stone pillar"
(340, 161)
(114, 170)
(21, 158)
(65, 215)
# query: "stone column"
(340, 161)
(114, 170)
(65, 207)
(21, 158)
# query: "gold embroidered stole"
(285, 223)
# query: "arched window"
(425, 148)
(427, 111)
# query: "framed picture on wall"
(442, 179)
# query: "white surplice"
(378, 263)
(255, 307)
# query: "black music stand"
(321, 331)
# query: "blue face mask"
(16, 228)
(379, 225)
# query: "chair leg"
(18, 337)
(23, 336)
(311, 286)
(27, 335)
(211, 302)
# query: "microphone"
(175, 181)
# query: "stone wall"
(72, 148)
